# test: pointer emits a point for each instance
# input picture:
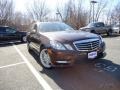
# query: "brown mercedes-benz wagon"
(58, 44)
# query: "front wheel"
(45, 59)
(101, 55)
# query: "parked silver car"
(98, 28)
(116, 29)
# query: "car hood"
(67, 36)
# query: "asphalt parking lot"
(20, 70)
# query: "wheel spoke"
(45, 59)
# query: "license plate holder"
(92, 55)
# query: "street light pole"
(93, 3)
(90, 13)
(59, 14)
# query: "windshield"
(99, 24)
(52, 27)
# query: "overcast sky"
(20, 5)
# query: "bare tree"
(73, 14)
(20, 21)
(115, 15)
(11, 18)
(6, 11)
(38, 10)
(97, 9)
(100, 7)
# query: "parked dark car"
(98, 28)
(58, 44)
(8, 33)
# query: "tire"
(23, 39)
(101, 55)
(93, 31)
(109, 33)
(45, 59)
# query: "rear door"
(12, 34)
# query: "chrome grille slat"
(87, 45)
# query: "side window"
(10, 30)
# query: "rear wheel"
(23, 39)
(45, 59)
(93, 31)
(109, 33)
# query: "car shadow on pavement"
(100, 74)
(112, 36)
(36, 57)
(9, 43)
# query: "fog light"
(62, 61)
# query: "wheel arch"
(43, 46)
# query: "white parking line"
(40, 79)
(12, 65)
(118, 39)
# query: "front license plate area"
(92, 55)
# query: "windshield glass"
(99, 24)
(52, 27)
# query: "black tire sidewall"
(22, 39)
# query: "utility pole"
(93, 2)
(59, 14)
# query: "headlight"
(57, 45)
(68, 47)
(101, 39)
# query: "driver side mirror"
(34, 29)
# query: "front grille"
(87, 45)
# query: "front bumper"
(101, 31)
(69, 57)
